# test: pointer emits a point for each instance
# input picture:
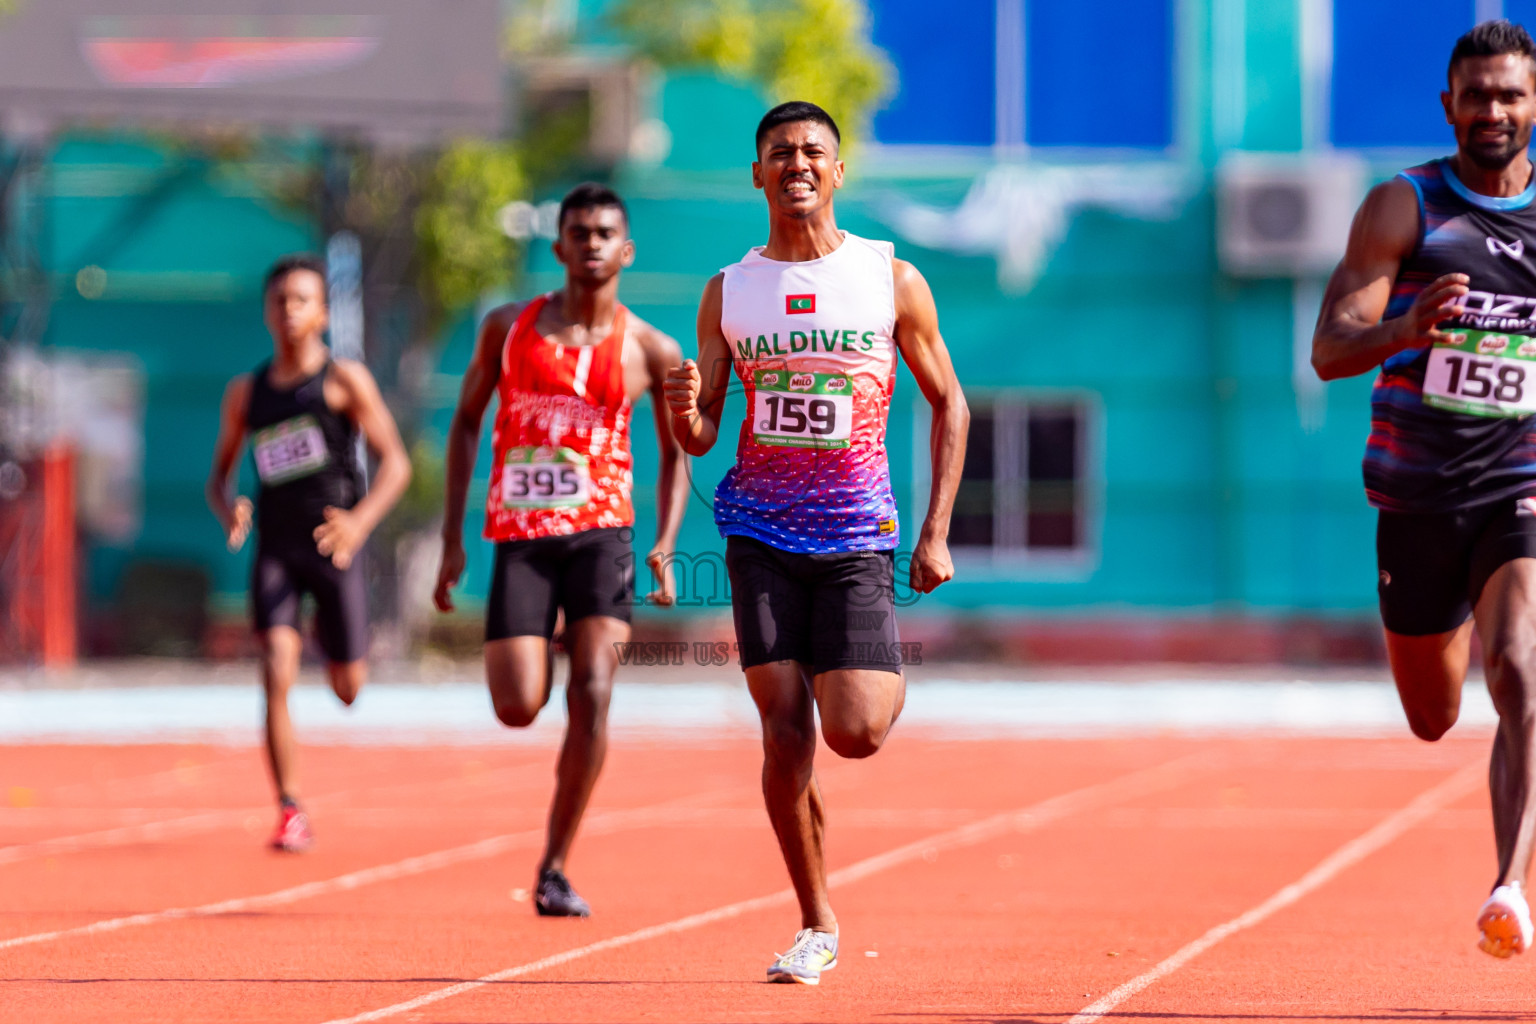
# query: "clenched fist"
(682, 388)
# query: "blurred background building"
(1126, 209)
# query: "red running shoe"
(293, 834)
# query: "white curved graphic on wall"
(1018, 214)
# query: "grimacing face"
(797, 168)
(1491, 104)
(594, 243)
(295, 306)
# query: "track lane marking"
(206, 821)
(1345, 857)
(612, 821)
(1046, 812)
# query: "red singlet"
(561, 460)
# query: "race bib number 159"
(545, 478)
(802, 410)
(1483, 374)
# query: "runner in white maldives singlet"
(814, 345)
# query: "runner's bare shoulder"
(357, 383)
(660, 348)
(502, 317)
(1388, 221)
(237, 394)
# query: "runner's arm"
(923, 348)
(663, 355)
(695, 391)
(1351, 336)
(234, 516)
(464, 441)
(373, 418)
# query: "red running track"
(976, 881)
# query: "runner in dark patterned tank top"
(1438, 290)
(302, 412)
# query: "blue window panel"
(945, 59)
(1389, 59)
(1099, 73)
(1521, 12)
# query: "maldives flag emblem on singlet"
(800, 303)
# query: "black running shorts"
(285, 570)
(1433, 566)
(586, 573)
(826, 611)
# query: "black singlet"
(305, 455)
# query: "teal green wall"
(1211, 496)
(184, 247)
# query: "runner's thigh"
(341, 606)
(770, 603)
(853, 613)
(522, 601)
(598, 577)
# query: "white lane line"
(208, 821)
(165, 780)
(613, 821)
(1138, 783)
(1346, 856)
(149, 831)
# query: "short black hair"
(1493, 39)
(795, 110)
(591, 195)
(288, 264)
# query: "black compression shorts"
(285, 570)
(826, 611)
(1433, 566)
(586, 573)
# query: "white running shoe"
(812, 953)
(1505, 922)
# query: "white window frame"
(1021, 563)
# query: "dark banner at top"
(405, 70)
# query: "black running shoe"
(556, 898)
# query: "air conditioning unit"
(1286, 215)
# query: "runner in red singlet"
(566, 368)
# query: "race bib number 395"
(1483, 374)
(802, 410)
(289, 450)
(545, 477)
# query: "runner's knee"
(517, 704)
(518, 676)
(854, 739)
(787, 742)
(1430, 727)
(1510, 677)
(347, 679)
(587, 697)
(279, 660)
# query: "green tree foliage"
(817, 50)
(462, 251)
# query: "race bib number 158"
(802, 410)
(1483, 374)
(545, 478)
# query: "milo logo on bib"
(802, 410)
(1482, 373)
(289, 450)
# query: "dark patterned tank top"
(1470, 443)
